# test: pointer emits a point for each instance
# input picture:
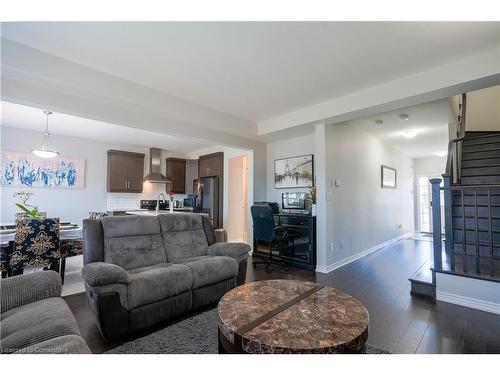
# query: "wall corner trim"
(361, 254)
(472, 303)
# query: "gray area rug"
(196, 334)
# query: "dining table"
(67, 230)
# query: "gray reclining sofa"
(142, 270)
(34, 317)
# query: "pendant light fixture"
(47, 150)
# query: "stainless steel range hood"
(154, 175)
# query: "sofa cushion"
(154, 283)
(183, 235)
(36, 322)
(132, 241)
(208, 269)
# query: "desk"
(303, 252)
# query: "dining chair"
(4, 259)
(36, 245)
(71, 247)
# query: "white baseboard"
(473, 303)
(361, 254)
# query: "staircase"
(480, 158)
(472, 211)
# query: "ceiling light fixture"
(47, 150)
(412, 133)
(440, 153)
(404, 117)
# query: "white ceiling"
(256, 70)
(20, 116)
(430, 120)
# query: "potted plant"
(312, 192)
(28, 210)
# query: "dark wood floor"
(398, 323)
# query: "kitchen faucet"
(158, 201)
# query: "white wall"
(465, 291)
(431, 166)
(483, 110)
(75, 204)
(360, 215)
(284, 149)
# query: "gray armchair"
(34, 317)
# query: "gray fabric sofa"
(34, 317)
(143, 270)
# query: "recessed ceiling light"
(404, 117)
(412, 133)
(440, 153)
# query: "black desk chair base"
(270, 261)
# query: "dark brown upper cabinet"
(191, 174)
(211, 165)
(125, 171)
(176, 171)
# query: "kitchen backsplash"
(130, 201)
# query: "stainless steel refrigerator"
(206, 198)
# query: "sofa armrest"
(23, 289)
(101, 273)
(236, 250)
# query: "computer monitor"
(293, 201)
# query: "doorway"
(238, 198)
(424, 204)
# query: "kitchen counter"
(154, 213)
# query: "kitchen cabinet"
(176, 171)
(211, 165)
(125, 172)
(191, 174)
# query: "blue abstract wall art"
(23, 169)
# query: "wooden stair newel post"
(436, 226)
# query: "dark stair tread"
(486, 149)
(480, 230)
(480, 162)
(473, 217)
(480, 180)
(486, 144)
(478, 155)
(474, 133)
(482, 141)
(423, 275)
(484, 244)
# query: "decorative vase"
(313, 209)
(171, 205)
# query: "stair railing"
(481, 198)
(453, 171)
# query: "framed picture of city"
(295, 172)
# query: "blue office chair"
(265, 230)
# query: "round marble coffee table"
(291, 316)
